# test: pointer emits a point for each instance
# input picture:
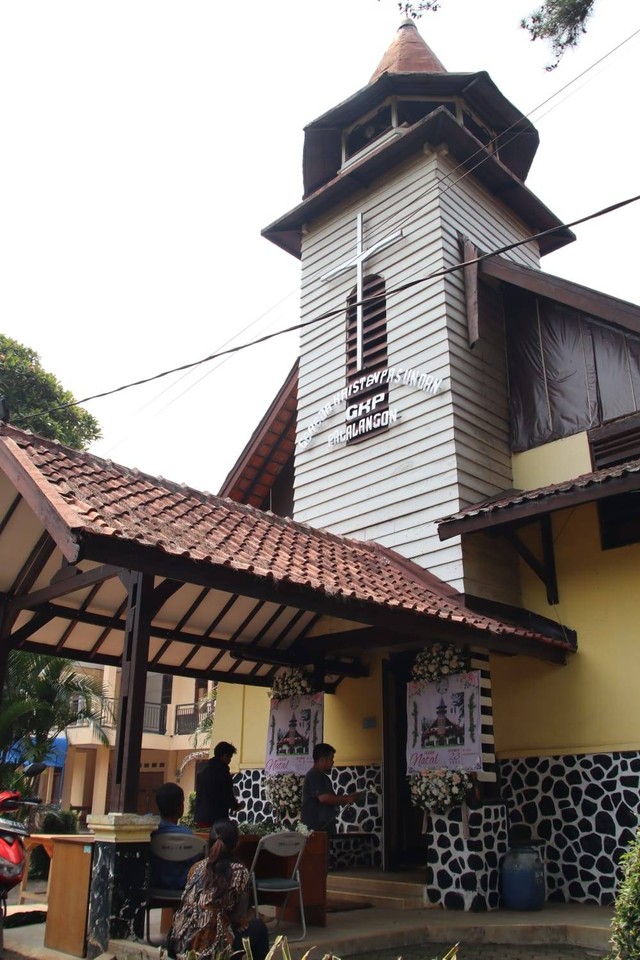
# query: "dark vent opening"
(365, 406)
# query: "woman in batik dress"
(214, 913)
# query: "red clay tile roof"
(408, 53)
(555, 496)
(93, 497)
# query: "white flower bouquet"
(290, 683)
(436, 791)
(439, 660)
(284, 793)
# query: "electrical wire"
(484, 155)
(482, 152)
(338, 311)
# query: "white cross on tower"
(358, 261)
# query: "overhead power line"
(443, 185)
(329, 314)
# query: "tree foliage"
(561, 22)
(206, 712)
(28, 389)
(42, 696)
(625, 937)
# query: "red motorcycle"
(12, 834)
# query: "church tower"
(402, 401)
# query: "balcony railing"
(155, 716)
(189, 716)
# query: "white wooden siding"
(446, 448)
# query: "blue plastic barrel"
(523, 879)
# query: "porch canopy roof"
(235, 593)
(516, 507)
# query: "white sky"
(145, 145)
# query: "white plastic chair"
(288, 844)
(174, 848)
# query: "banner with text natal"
(295, 727)
(444, 723)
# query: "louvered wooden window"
(367, 404)
(619, 516)
(615, 442)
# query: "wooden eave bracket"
(545, 570)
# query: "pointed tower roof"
(408, 53)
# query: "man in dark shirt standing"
(320, 802)
(215, 798)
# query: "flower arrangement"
(436, 791)
(290, 683)
(284, 793)
(439, 660)
(303, 829)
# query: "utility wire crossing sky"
(148, 143)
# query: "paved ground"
(558, 932)
(487, 951)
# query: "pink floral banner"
(295, 726)
(444, 723)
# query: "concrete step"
(387, 903)
(392, 894)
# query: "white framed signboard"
(444, 723)
(295, 727)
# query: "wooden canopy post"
(5, 646)
(135, 654)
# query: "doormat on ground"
(25, 918)
(337, 904)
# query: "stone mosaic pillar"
(464, 857)
(120, 855)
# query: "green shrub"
(53, 821)
(626, 918)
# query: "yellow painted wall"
(591, 704)
(552, 463)
(242, 715)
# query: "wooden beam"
(254, 653)
(135, 655)
(52, 510)
(470, 274)
(596, 304)
(13, 506)
(549, 559)
(39, 619)
(62, 587)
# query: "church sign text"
(362, 416)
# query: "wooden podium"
(69, 884)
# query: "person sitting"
(214, 913)
(166, 874)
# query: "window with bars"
(367, 403)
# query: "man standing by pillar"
(320, 802)
(215, 798)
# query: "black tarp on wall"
(568, 372)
